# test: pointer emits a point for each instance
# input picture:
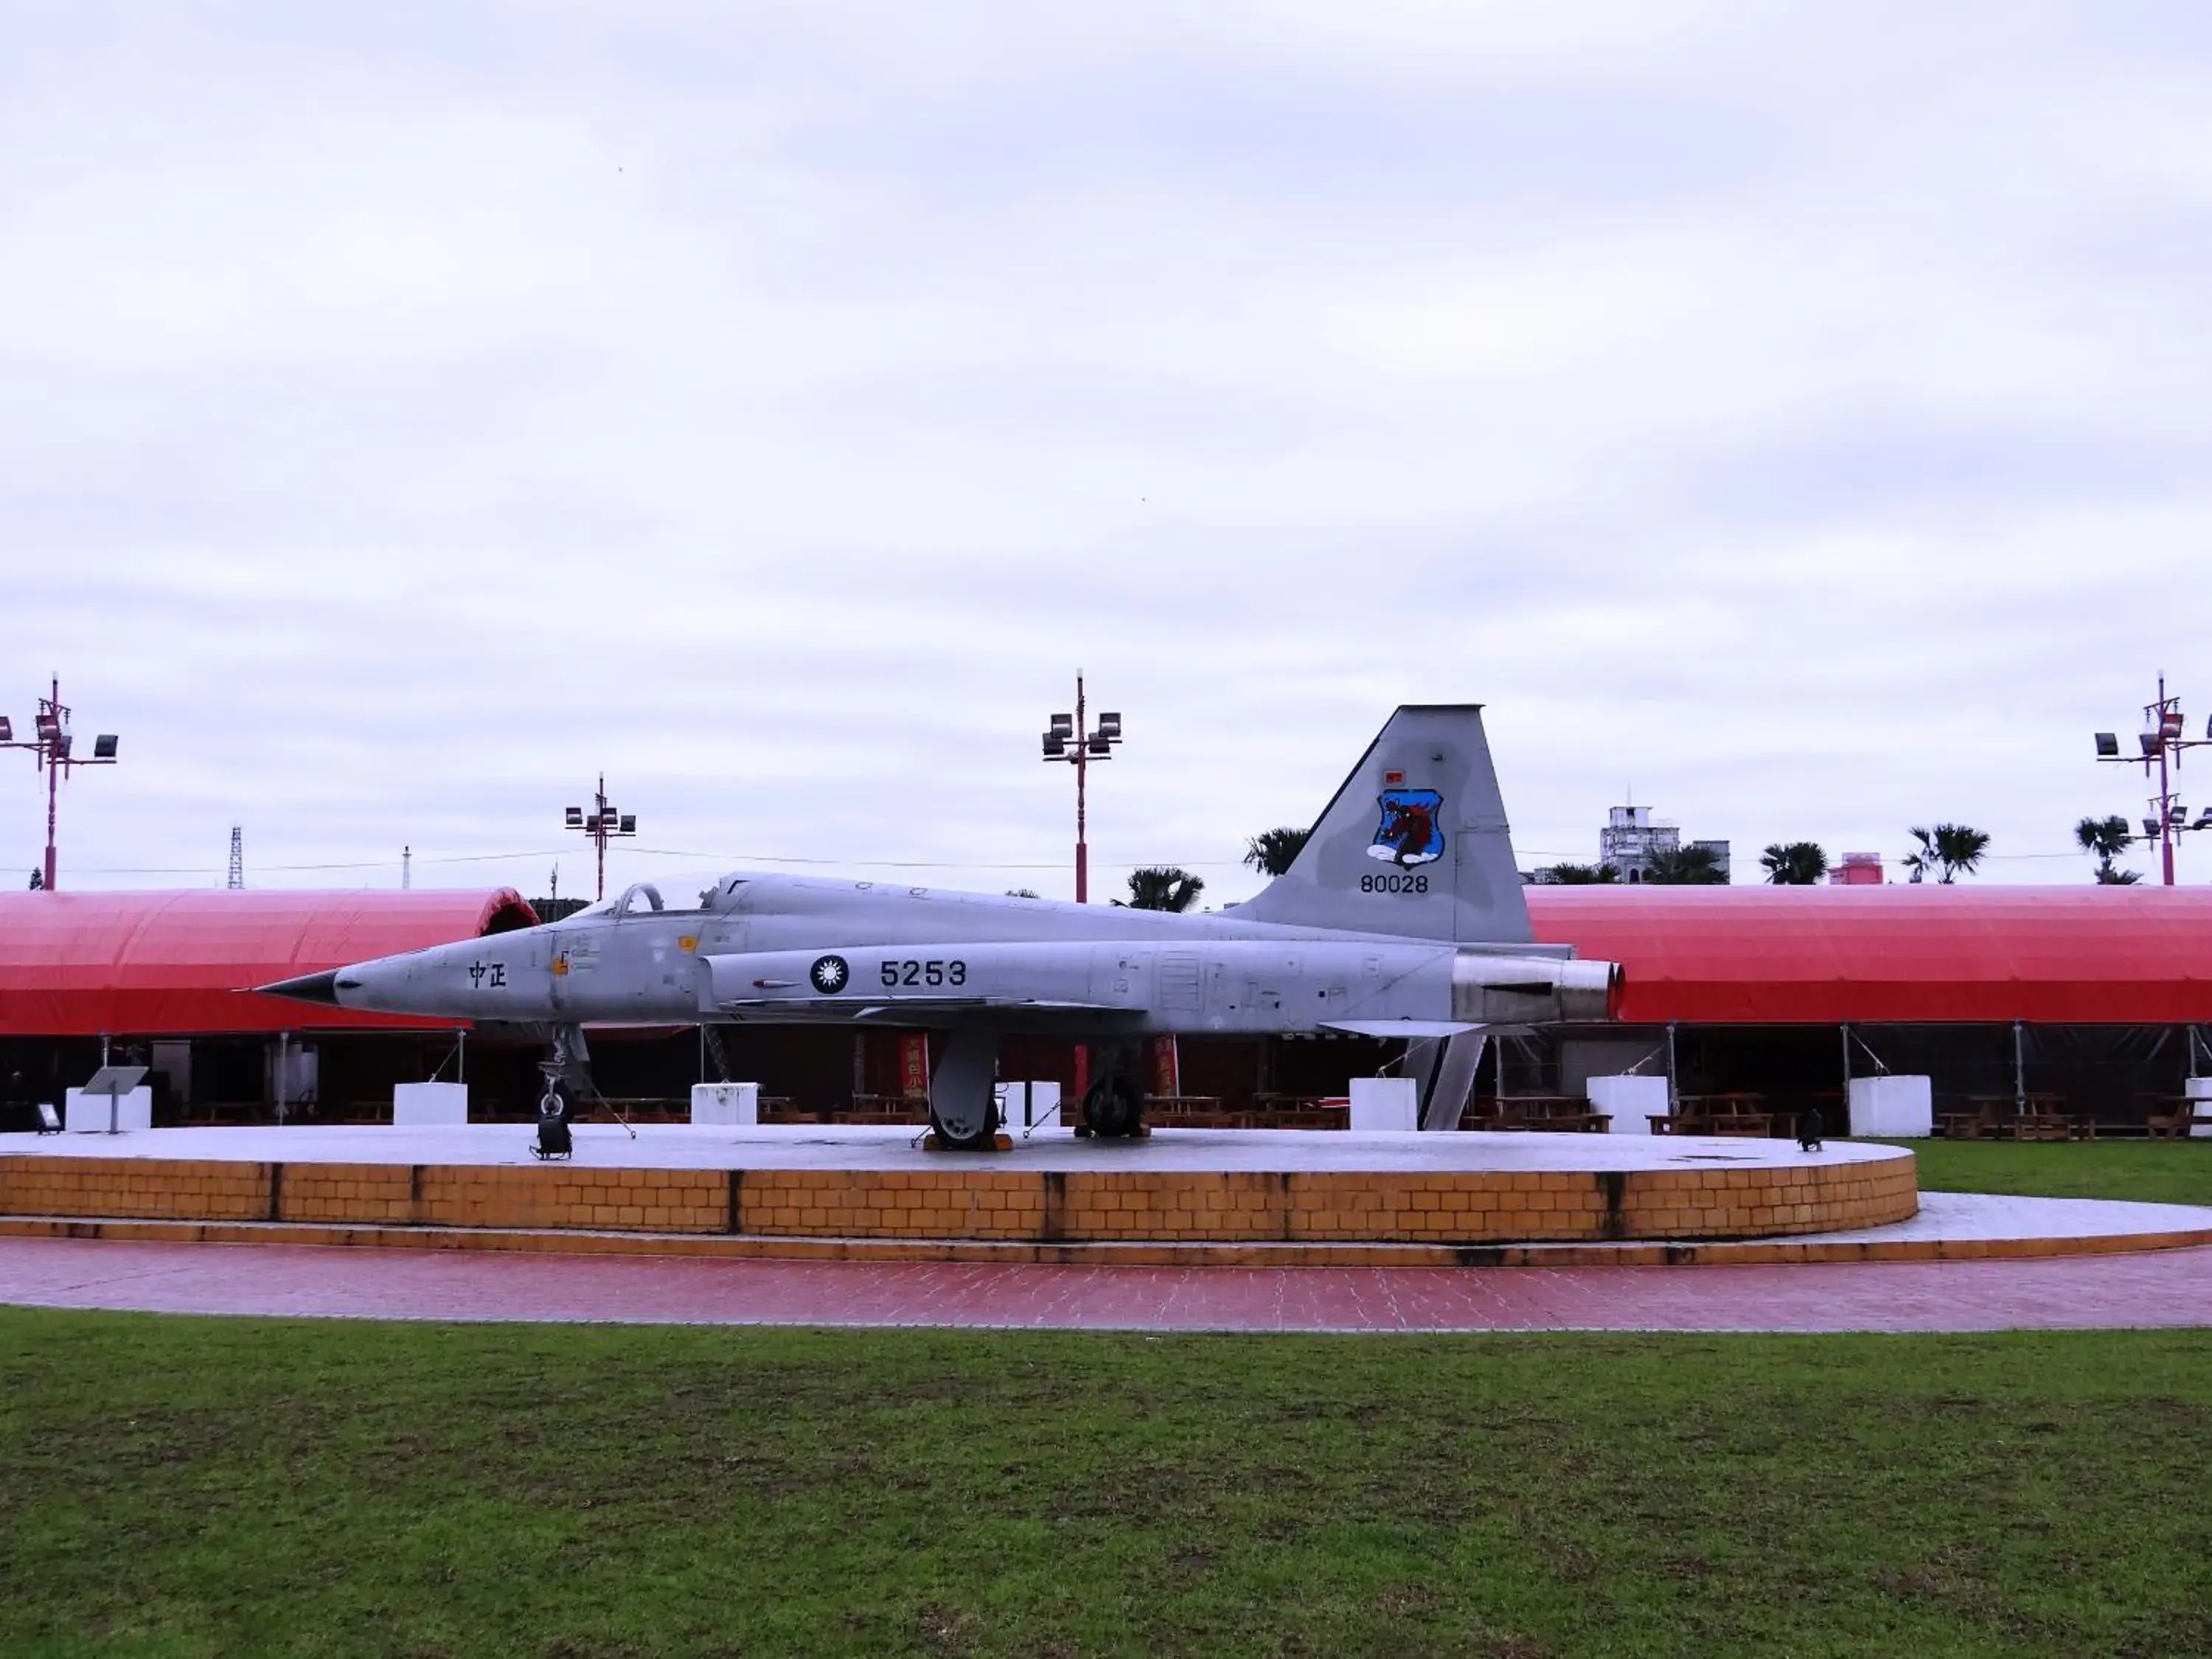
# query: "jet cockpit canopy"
(669, 895)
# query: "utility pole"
(1066, 739)
(50, 746)
(2162, 744)
(237, 858)
(602, 825)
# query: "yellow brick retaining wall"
(1038, 1207)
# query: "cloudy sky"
(1794, 415)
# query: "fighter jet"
(1402, 916)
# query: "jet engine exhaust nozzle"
(1489, 990)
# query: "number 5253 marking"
(898, 975)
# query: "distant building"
(1856, 869)
(1630, 838)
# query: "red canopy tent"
(139, 964)
(1900, 954)
(76, 964)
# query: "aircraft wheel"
(1112, 1107)
(982, 1140)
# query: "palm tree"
(1795, 863)
(1947, 851)
(1684, 867)
(1272, 852)
(1578, 875)
(1163, 887)
(2107, 838)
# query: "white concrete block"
(2199, 1089)
(1044, 1101)
(1633, 1101)
(1898, 1107)
(429, 1105)
(728, 1105)
(1384, 1103)
(84, 1114)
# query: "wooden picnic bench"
(1738, 1112)
(1554, 1114)
(2183, 1117)
(2035, 1116)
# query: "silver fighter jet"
(1401, 917)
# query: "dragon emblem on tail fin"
(1407, 834)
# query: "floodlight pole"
(1070, 737)
(50, 744)
(604, 825)
(1082, 778)
(2162, 742)
(1062, 732)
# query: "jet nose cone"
(308, 988)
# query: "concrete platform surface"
(820, 1146)
(2169, 1289)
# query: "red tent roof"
(142, 963)
(1819, 956)
(76, 964)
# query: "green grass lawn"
(2148, 1172)
(191, 1486)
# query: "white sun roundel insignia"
(829, 976)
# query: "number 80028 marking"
(1393, 882)
(924, 973)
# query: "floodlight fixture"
(1063, 726)
(574, 818)
(2108, 746)
(2177, 813)
(49, 726)
(7, 730)
(103, 746)
(2151, 829)
(2152, 742)
(1055, 746)
(1110, 727)
(628, 826)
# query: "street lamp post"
(51, 748)
(2162, 742)
(600, 825)
(1066, 739)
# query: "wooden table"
(2034, 1117)
(1555, 1113)
(2182, 1115)
(1739, 1112)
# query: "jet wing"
(1398, 1028)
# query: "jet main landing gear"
(1113, 1104)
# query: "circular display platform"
(1211, 1187)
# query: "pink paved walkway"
(2161, 1288)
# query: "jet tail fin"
(1415, 842)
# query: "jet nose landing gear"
(964, 1106)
